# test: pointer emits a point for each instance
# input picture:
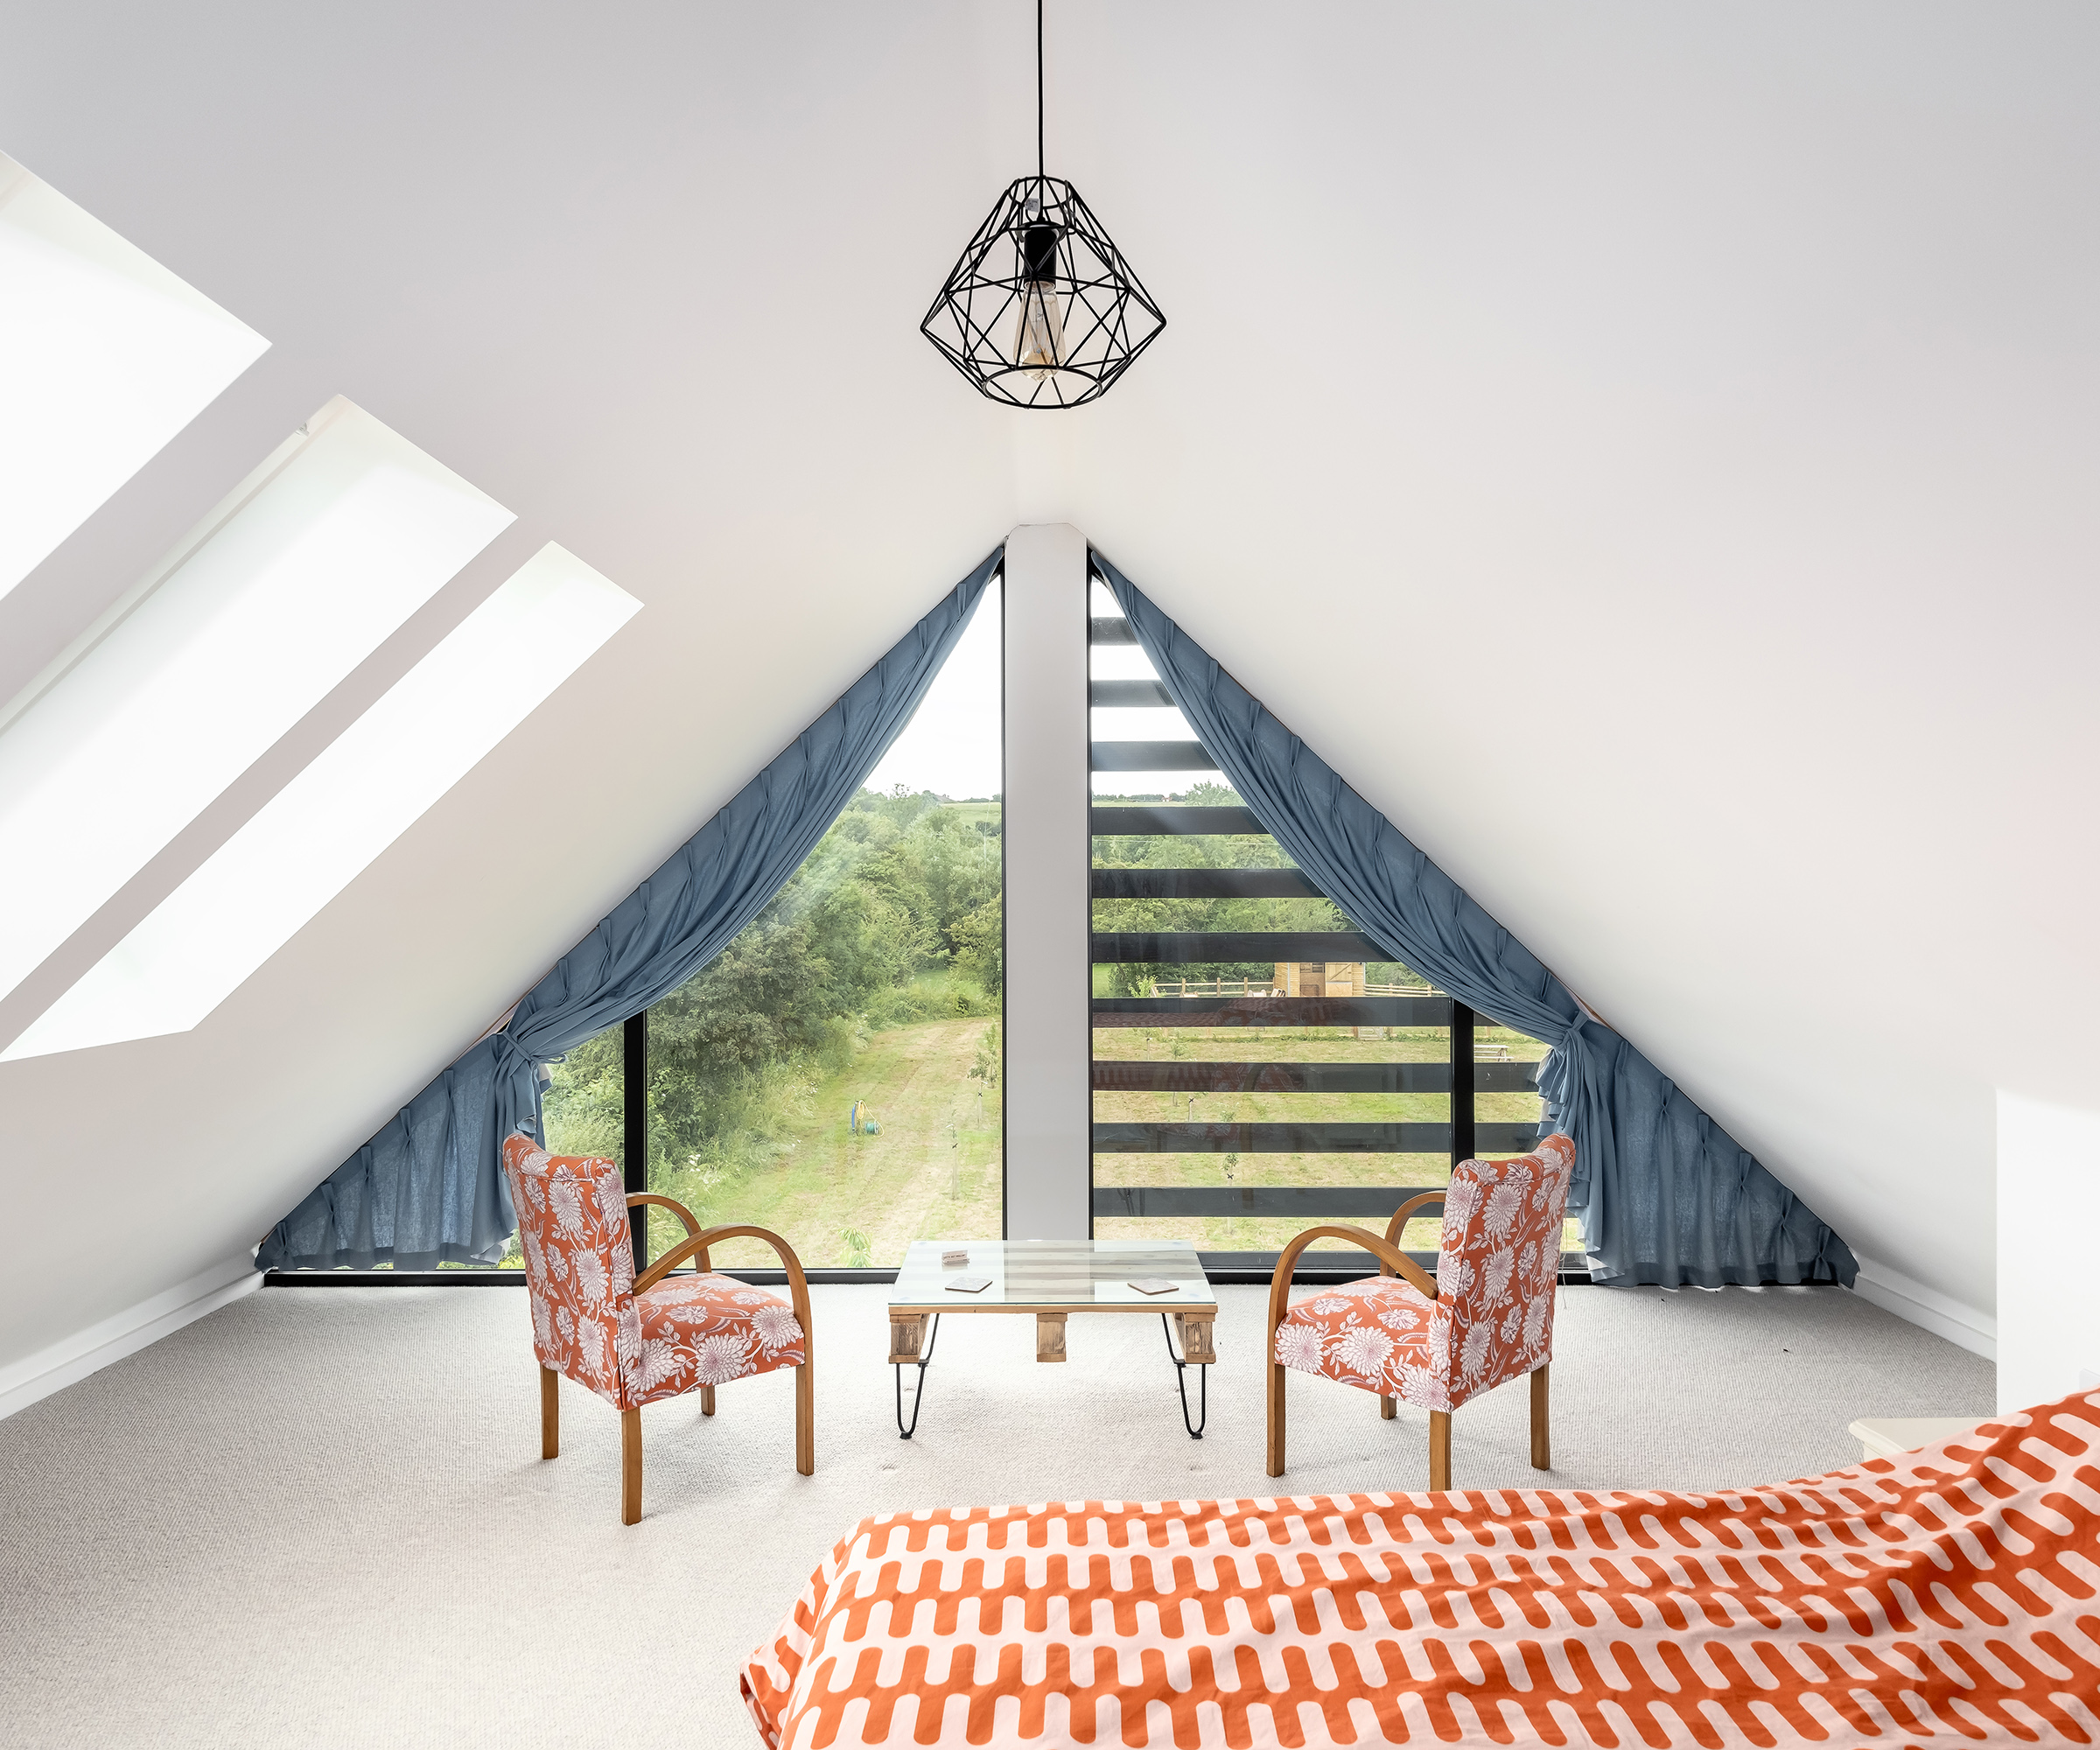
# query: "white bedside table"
(1884, 1437)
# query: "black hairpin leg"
(919, 1386)
(1195, 1428)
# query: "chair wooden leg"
(630, 1467)
(805, 1419)
(1542, 1455)
(707, 1400)
(1388, 1408)
(1439, 1449)
(1276, 1414)
(550, 1413)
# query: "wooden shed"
(1319, 978)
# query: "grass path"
(933, 1173)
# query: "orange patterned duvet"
(1949, 1597)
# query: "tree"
(900, 888)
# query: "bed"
(1949, 1596)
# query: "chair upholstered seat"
(1376, 1334)
(708, 1330)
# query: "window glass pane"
(1258, 1069)
(1506, 1082)
(583, 1106)
(835, 1074)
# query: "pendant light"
(1042, 310)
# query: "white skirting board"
(123, 1333)
(1928, 1308)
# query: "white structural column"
(1049, 954)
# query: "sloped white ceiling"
(1647, 450)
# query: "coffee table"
(1053, 1279)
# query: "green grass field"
(933, 1173)
(1327, 1045)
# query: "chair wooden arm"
(1401, 1217)
(695, 1246)
(692, 1224)
(1384, 1250)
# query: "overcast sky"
(951, 747)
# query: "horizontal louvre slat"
(1272, 1011)
(1504, 1078)
(1136, 694)
(1126, 1075)
(1120, 1075)
(1357, 1138)
(1179, 948)
(1141, 821)
(1123, 1138)
(1204, 884)
(1101, 629)
(1314, 1265)
(1308, 1203)
(1151, 756)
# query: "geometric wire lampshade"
(1042, 310)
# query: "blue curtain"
(427, 1189)
(1662, 1192)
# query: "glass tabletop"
(1052, 1273)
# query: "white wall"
(1647, 449)
(1657, 475)
(2048, 1246)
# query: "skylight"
(106, 355)
(291, 582)
(317, 833)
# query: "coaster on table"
(1153, 1284)
(969, 1284)
(948, 1258)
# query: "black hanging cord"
(1039, 90)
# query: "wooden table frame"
(914, 1328)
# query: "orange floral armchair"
(636, 1341)
(1486, 1317)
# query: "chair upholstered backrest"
(579, 1266)
(1499, 1261)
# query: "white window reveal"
(293, 581)
(313, 838)
(104, 356)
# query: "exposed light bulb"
(1039, 342)
(1039, 338)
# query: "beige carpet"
(319, 1516)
